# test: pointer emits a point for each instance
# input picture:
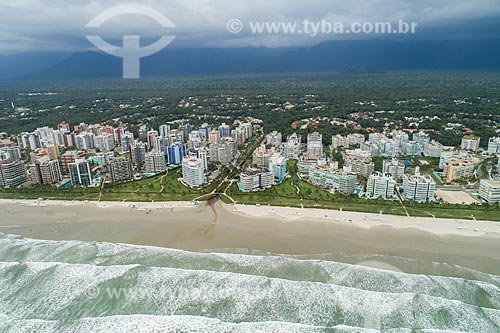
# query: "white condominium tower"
(315, 145)
(419, 188)
(380, 185)
(192, 171)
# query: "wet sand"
(254, 229)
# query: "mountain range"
(330, 56)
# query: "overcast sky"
(27, 25)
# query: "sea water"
(73, 286)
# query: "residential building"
(175, 153)
(70, 157)
(359, 162)
(151, 137)
(81, 173)
(164, 131)
(421, 138)
(105, 142)
(138, 152)
(494, 146)
(277, 164)
(419, 188)
(315, 145)
(328, 176)
(291, 149)
(261, 156)
(193, 171)
(433, 149)
(489, 191)
(413, 148)
(256, 179)
(223, 152)
(121, 169)
(394, 167)
(12, 173)
(471, 143)
(224, 130)
(155, 162)
(339, 141)
(274, 139)
(372, 148)
(380, 185)
(458, 168)
(214, 137)
(356, 139)
(12, 152)
(46, 171)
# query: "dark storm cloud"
(60, 25)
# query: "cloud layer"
(27, 25)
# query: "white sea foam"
(48, 283)
(150, 324)
(14, 248)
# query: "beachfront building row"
(419, 188)
(256, 179)
(380, 185)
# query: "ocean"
(74, 286)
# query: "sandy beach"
(291, 231)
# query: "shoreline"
(220, 227)
(365, 221)
(368, 221)
(103, 204)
